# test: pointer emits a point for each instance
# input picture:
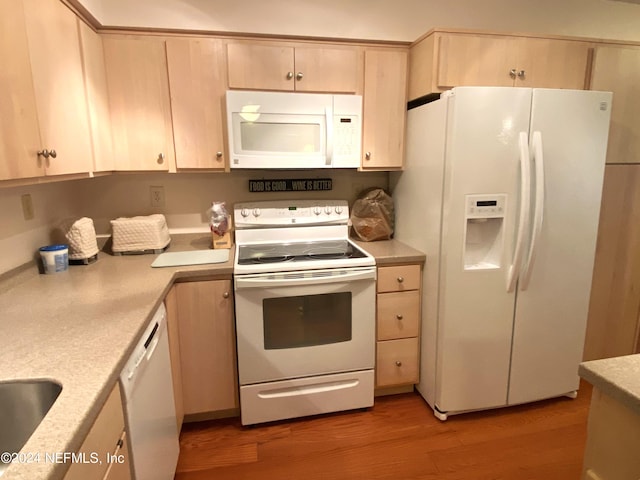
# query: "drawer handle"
(400, 279)
(398, 363)
(225, 294)
(399, 316)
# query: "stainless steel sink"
(23, 405)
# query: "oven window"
(307, 320)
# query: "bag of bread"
(372, 215)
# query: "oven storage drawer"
(398, 315)
(306, 396)
(397, 362)
(398, 278)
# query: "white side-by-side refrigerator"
(501, 189)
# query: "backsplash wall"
(187, 198)
(20, 238)
(189, 195)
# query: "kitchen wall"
(401, 20)
(187, 198)
(20, 238)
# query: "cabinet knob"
(398, 363)
(46, 153)
(160, 158)
(521, 74)
(53, 153)
(299, 76)
(367, 156)
(218, 155)
(400, 279)
(225, 294)
(512, 73)
(399, 316)
(289, 75)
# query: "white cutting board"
(193, 257)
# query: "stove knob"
(256, 212)
(244, 212)
(338, 209)
(327, 210)
(317, 210)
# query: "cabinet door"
(139, 101)
(475, 60)
(617, 70)
(319, 69)
(19, 132)
(196, 79)
(173, 329)
(97, 97)
(550, 63)
(102, 439)
(384, 108)
(120, 467)
(259, 66)
(56, 63)
(207, 346)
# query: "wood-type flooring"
(399, 438)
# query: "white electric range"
(305, 311)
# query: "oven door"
(299, 324)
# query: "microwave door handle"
(328, 111)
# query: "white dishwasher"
(149, 406)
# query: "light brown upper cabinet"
(43, 107)
(292, 67)
(96, 83)
(617, 69)
(384, 109)
(138, 86)
(19, 131)
(197, 70)
(443, 60)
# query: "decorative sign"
(291, 185)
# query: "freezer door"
(475, 310)
(553, 293)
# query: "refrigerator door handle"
(525, 198)
(538, 216)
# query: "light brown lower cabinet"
(171, 304)
(613, 440)
(207, 347)
(106, 441)
(398, 325)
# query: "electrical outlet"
(27, 207)
(157, 196)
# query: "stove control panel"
(283, 213)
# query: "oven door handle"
(313, 277)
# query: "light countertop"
(79, 327)
(391, 251)
(617, 377)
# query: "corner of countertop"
(617, 377)
(387, 252)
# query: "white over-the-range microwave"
(293, 130)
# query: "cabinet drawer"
(397, 362)
(398, 314)
(101, 439)
(398, 278)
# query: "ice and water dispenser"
(483, 235)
